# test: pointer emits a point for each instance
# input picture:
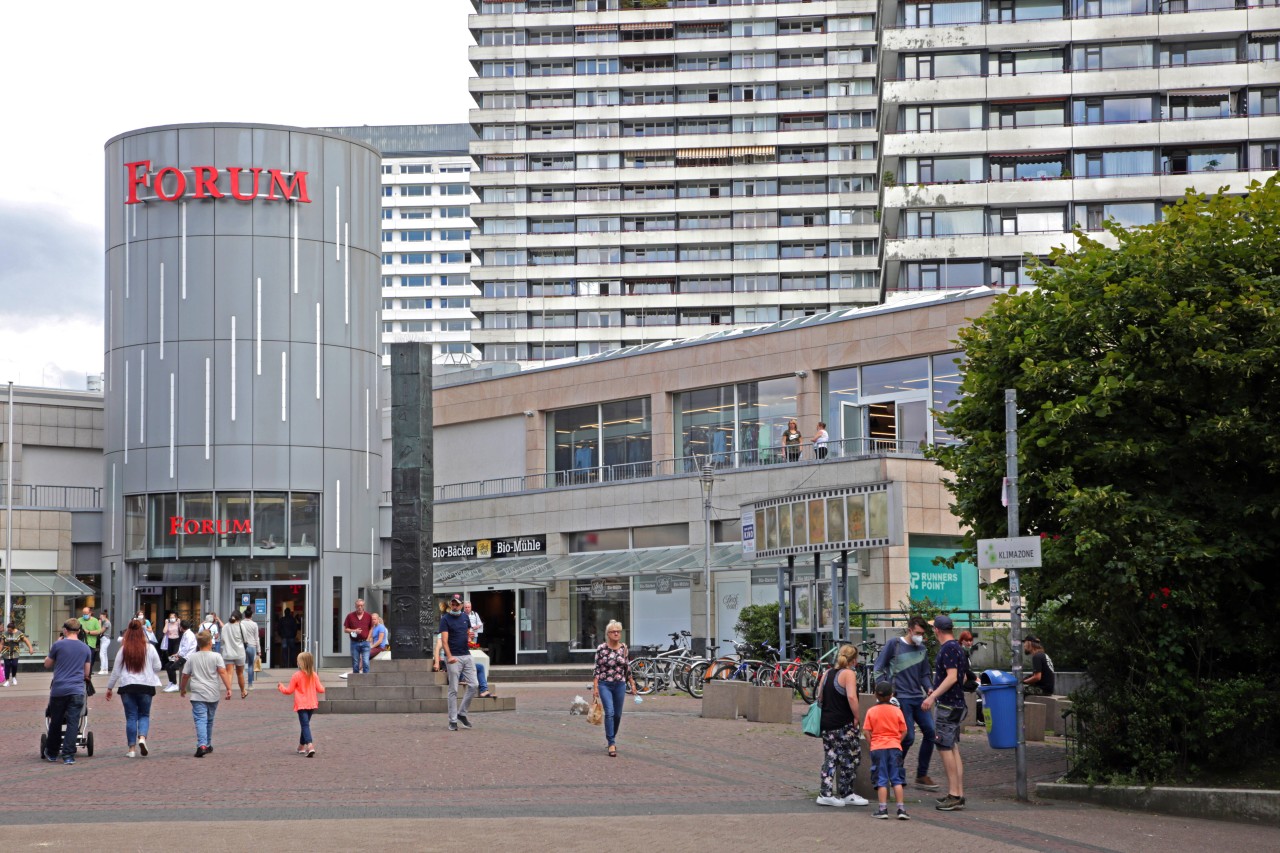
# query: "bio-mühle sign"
(170, 183)
(489, 549)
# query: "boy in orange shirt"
(886, 727)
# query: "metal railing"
(53, 497)
(683, 466)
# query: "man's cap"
(456, 597)
(943, 622)
(884, 689)
(1030, 638)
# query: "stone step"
(411, 706)
(403, 691)
(397, 678)
(420, 664)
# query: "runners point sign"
(170, 183)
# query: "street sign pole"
(1015, 591)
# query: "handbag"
(811, 723)
(596, 715)
(89, 689)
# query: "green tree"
(1148, 382)
(757, 624)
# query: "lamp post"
(708, 481)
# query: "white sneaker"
(838, 802)
(103, 672)
(131, 754)
(855, 800)
(172, 688)
(345, 675)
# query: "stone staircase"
(401, 687)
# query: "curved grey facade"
(242, 336)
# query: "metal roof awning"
(678, 559)
(1199, 93)
(659, 26)
(47, 583)
(595, 28)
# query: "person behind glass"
(455, 627)
(200, 675)
(610, 680)
(71, 661)
(104, 642)
(305, 688)
(358, 624)
(791, 441)
(251, 640)
(820, 439)
(841, 755)
(13, 640)
(233, 649)
(971, 679)
(170, 634)
(287, 631)
(135, 674)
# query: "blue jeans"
(202, 713)
(250, 655)
(612, 696)
(914, 715)
(137, 716)
(484, 682)
(304, 720)
(360, 655)
(64, 709)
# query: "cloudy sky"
(77, 74)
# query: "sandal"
(244, 694)
(613, 752)
(488, 694)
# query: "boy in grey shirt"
(200, 676)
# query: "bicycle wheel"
(643, 671)
(766, 676)
(697, 678)
(807, 682)
(680, 675)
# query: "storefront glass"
(135, 526)
(592, 605)
(164, 542)
(304, 524)
(269, 522)
(233, 512)
(533, 620)
(198, 507)
(705, 420)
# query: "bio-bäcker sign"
(488, 549)
(1020, 552)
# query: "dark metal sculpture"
(412, 618)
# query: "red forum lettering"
(179, 184)
(206, 181)
(295, 187)
(206, 526)
(241, 526)
(191, 526)
(135, 179)
(234, 172)
(175, 521)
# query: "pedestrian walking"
(104, 642)
(178, 653)
(71, 661)
(610, 680)
(454, 630)
(948, 694)
(170, 634)
(136, 675)
(252, 645)
(885, 728)
(305, 688)
(90, 630)
(200, 675)
(233, 652)
(841, 754)
(13, 640)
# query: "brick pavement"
(537, 764)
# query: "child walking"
(305, 687)
(886, 727)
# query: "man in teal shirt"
(904, 662)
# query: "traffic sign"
(1019, 552)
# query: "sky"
(77, 74)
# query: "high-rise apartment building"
(426, 235)
(1006, 122)
(652, 169)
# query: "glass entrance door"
(280, 611)
(254, 602)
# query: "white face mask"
(917, 639)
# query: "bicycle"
(798, 674)
(667, 669)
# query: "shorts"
(946, 727)
(886, 768)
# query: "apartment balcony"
(31, 496)
(976, 246)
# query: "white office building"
(426, 234)
(648, 169)
(1006, 122)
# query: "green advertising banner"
(954, 588)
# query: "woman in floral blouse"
(609, 684)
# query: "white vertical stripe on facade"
(257, 326)
(373, 550)
(207, 407)
(127, 213)
(182, 247)
(317, 350)
(293, 209)
(126, 411)
(367, 418)
(172, 420)
(346, 275)
(142, 399)
(337, 514)
(113, 506)
(233, 368)
(162, 310)
(337, 223)
(284, 386)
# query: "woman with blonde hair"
(838, 698)
(610, 680)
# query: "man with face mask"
(454, 627)
(904, 662)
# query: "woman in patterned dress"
(838, 694)
(609, 683)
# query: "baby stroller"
(84, 737)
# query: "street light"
(708, 481)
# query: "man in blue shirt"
(948, 693)
(454, 628)
(904, 662)
(71, 661)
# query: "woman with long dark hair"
(136, 674)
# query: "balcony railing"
(52, 497)
(684, 466)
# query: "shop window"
(660, 535)
(135, 527)
(164, 511)
(614, 539)
(269, 519)
(233, 523)
(197, 507)
(593, 604)
(533, 620)
(304, 524)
